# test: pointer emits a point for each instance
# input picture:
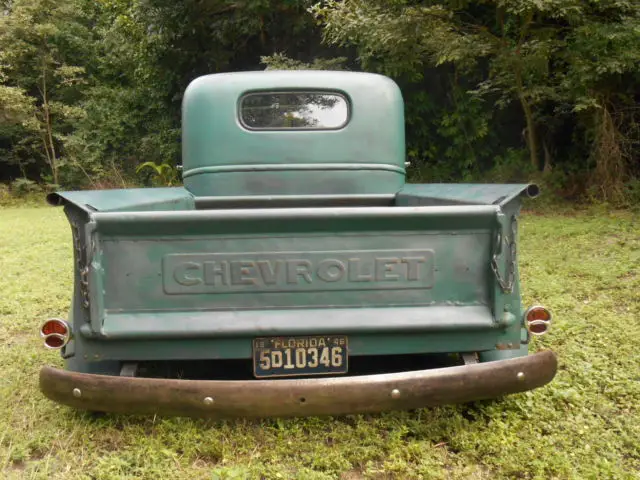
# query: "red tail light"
(56, 333)
(537, 320)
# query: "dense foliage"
(498, 90)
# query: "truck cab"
(295, 252)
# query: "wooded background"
(503, 90)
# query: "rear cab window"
(294, 110)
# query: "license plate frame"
(323, 355)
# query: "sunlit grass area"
(585, 266)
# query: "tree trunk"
(532, 142)
(548, 159)
(48, 135)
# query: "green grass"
(585, 425)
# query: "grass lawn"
(585, 266)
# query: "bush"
(23, 187)
(21, 192)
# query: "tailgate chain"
(83, 269)
(506, 284)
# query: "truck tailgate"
(284, 271)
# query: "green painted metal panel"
(304, 270)
(281, 220)
(98, 350)
(463, 193)
(221, 157)
(301, 321)
(122, 200)
(194, 273)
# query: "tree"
(148, 52)
(40, 43)
(536, 52)
(600, 88)
(91, 90)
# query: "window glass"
(294, 110)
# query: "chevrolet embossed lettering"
(293, 271)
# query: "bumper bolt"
(395, 393)
(77, 393)
(520, 376)
(208, 401)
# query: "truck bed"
(201, 281)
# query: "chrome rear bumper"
(298, 397)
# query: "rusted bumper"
(301, 397)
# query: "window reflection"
(294, 110)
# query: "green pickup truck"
(295, 273)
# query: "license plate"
(289, 356)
